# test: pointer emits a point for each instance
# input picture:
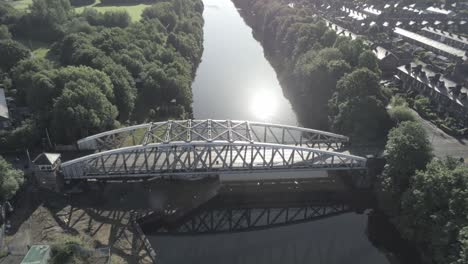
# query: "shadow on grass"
(25, 206)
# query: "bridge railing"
(205, 158)
(212, 130)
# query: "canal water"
(235, 81)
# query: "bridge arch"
(212, 130)
(205, 158)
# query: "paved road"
(444, 144)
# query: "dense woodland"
(101, 71)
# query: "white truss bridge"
(212, 130)
(208, 147)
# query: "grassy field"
(133, 10)
(40, 52)
(21, 4)
(38, 48)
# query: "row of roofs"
(372, 10)
(446, 37)
(368, 13)
(430, 44)
(450, 95)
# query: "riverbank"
(234, 80)
(332, 81)
(100, 216)
(310, 113)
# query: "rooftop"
(437, 10)
(439, 89)
(435, 44)
(372, 11)
(46, 158)
(3, 105)
(381, 52)
(37, 254)
(446, 34)
(340, 30)
(353, 13)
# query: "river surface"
(235, 81)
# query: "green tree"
(359, 83)
(26, 134)
(53, 11)
(368, 60)
(357, 108)
(10, 180)
(434, 213)
(164, 12)
(11, 52)
(45, 20)
(81, 110)
(401, 113)
(328, 38)
(48, 85)
(8, 14)
(4, 32)
(351, 49)
(124, 89)
(116, 19)
(22, 75)
(422, 104)
(407, 150)
(363, 119)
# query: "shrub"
(398, 100)
(401, 113)
(66, 250)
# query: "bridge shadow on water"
(260, 223)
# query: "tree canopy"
(357, 108)
(408, 140)
(434, 211)
(81, 110)
(11, 52)
(10, 180)
(150, 63)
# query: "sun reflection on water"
(264, 105)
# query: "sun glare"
(263, 105)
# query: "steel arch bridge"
(212, 130)
(205, 158)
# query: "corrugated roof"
(3, 105)
(37, 254)
(430, 42)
